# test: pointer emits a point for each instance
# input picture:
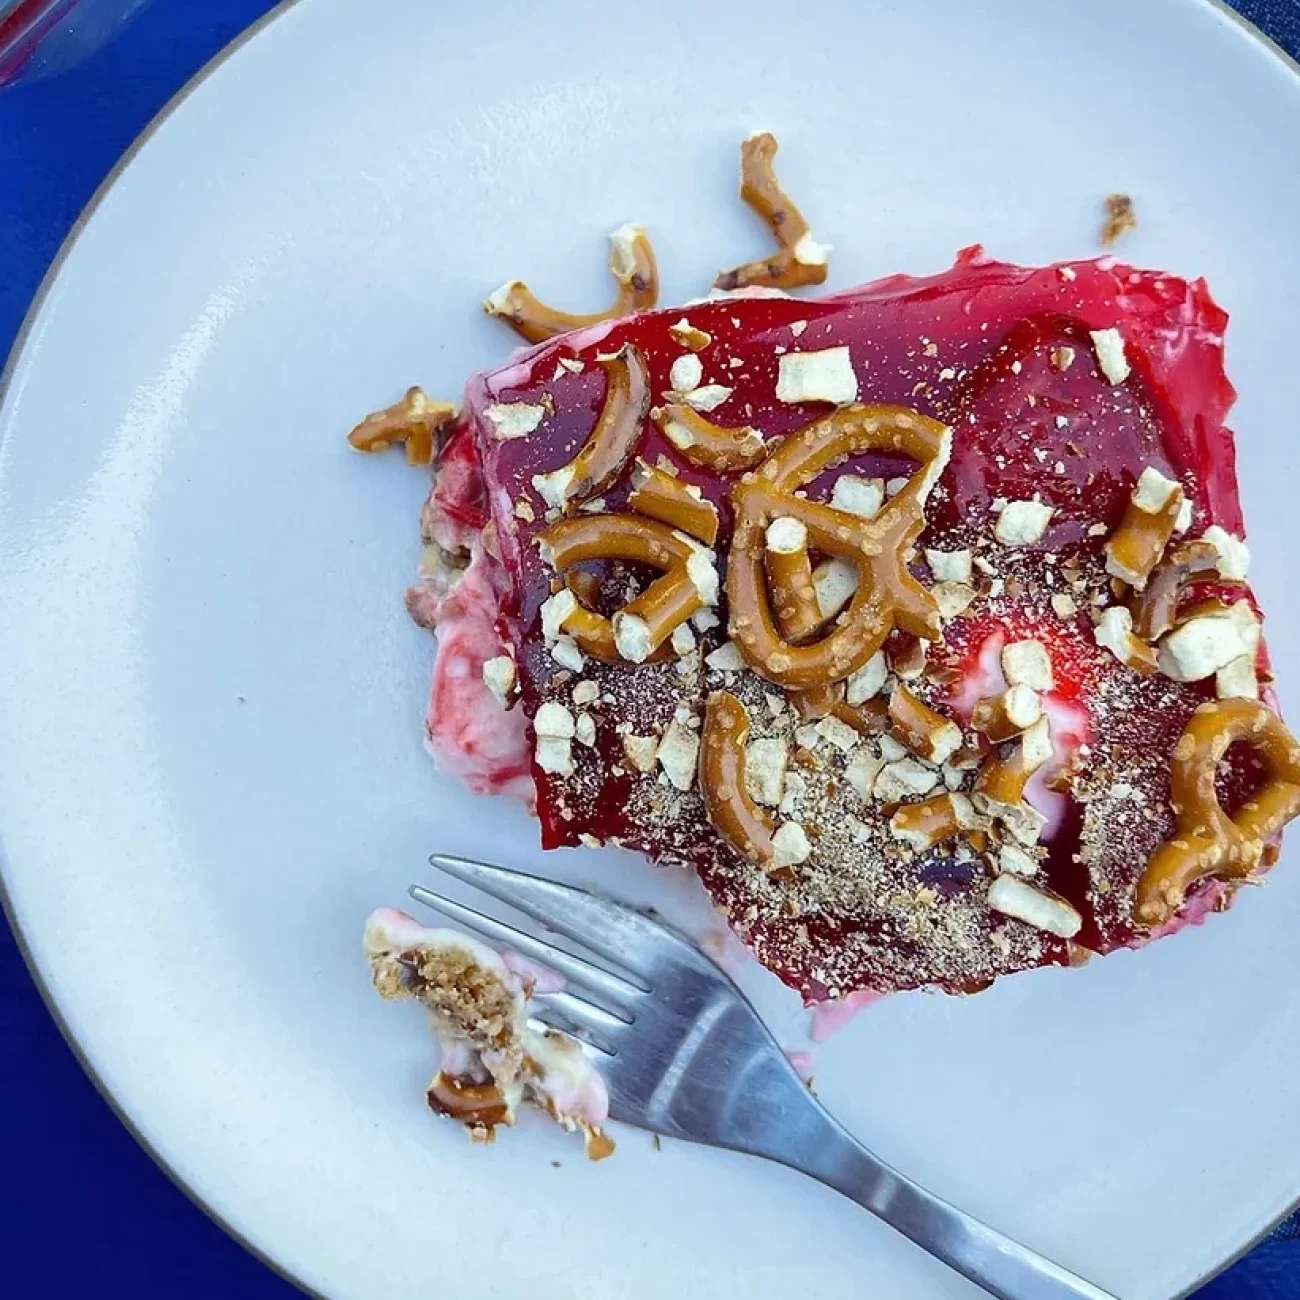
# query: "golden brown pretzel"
(790, 579)
(887, 594)
(1206, 841)
(819, 701)
(1004, 717)
(636, 631)
(914, 724)
(1003, 776)
(798, 260)
(1155, 608)
(463, 1099)
(1135, 547)
(664, 496)
(415, 420)
(710, 446)
(933, 820)
(632, 264)
(606, 452)
(732, 813)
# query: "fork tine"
(580, 1012)
(551, 1017)
(580, 972)
(553, 1020)
(594, 922)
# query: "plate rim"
(16, 352)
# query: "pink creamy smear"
(538, 978)
(1070, 727)
(827, 1018)
(1198, 909)
(802, 1060)
(470, 735)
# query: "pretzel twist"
(887, 594)
(669, 601)
(1206, 841)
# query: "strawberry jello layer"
(1061, 386)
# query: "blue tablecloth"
(83, 1207)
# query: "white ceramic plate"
(210, 697)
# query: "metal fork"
(684, 1054)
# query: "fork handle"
(990, 1259)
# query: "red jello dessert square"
(912, 618)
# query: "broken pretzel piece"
(1120, 219)
(1155, 609)
(731, 811)
(631, 262)
(1043, 910)
(1002, 780)
(929, 735)
(477, 1105)
(1004, 717)
(607, 451)
(1206, 841)
(800, 260)
(638, 630)
(1114, 632)
(705, 444)
(820, 701)
(1000, 783)
(415, 420)
(933, 820)
(664, 497)
(1156, 510)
